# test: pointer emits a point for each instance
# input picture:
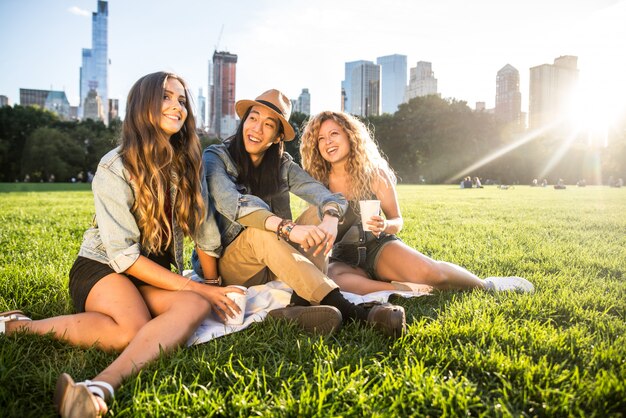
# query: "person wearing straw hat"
(249, 179)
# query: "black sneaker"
(387, 318)
(322, 319)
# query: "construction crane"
(219, 37)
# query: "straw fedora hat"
(274, 101)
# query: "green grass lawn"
(558, 352)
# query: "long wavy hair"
(155, 161)
(365, 161)
(262, 181)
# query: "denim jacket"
(114, 238)
(232, 201)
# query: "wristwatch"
(332, 212)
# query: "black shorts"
(85, 273)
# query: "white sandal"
(11, 316)
(512, 283)
(76, 400)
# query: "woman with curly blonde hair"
(338, 150)
(149, 193)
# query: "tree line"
(428, 140)
(36, 146)
(436, 140)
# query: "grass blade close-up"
(560, 351)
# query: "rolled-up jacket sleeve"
(228, 200)
(312, 191)
(119, 232)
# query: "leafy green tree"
(613, 156)
(17, 123)
(95, 139)
(49, 151)
(206, 140)
(434, 138)
(298, 121)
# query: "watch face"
(332, 212)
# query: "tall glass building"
(508, 96)
(552, 88)
(346, 85)
(303, 104)
(94, 69)
(393, 81)
(201, 110)
(361, 88)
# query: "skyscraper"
(222, 79)
(551, 91)
(422, 81)
(346, 85)
(303, 104)
(94, 69)
(114, 109)
(362, 88)
(201, 111)
(393, 81)
(508, 97)
(93, 106)
(54, 101)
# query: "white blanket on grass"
(266, 297)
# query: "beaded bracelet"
(287, 229)
(284, 229)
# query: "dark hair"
(262, 181)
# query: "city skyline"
(293, 45)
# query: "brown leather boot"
(387, 318)
(322, 319)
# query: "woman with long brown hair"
(149, 193)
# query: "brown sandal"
(78, 400)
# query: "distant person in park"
(616, 183)
(148, 195)
(476, 183)
(534, 183)
(249, 178)
(338, 150)
(560, 185)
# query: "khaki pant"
(257, 257)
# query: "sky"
(294, 44)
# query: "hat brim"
(242, 106)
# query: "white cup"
(368, 208)
(240, 300)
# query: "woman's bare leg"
(355, 280)
(176, 317)
(399, 262)
(115, 313)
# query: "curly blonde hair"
(155, 161)
(365, 163)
